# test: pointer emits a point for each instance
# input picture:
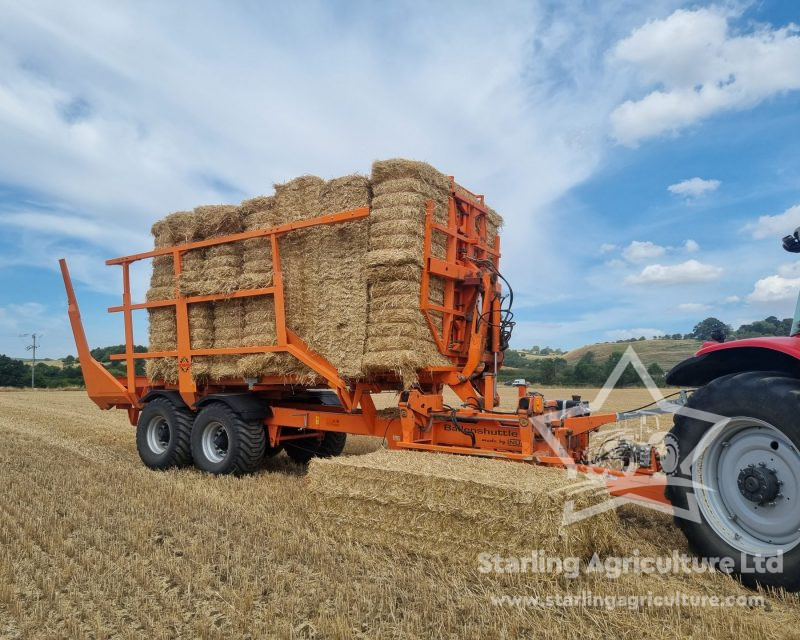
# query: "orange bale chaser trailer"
(228, 426)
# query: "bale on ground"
(442, 503)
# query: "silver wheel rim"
(215, 441)
(739, 447)
(158, 434)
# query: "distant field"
(50, 363)
(667, 353)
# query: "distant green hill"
(667, 353)
(577, 367)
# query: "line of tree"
(17, 373)
(587, 371)
(713, 328)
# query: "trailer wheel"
(329, 446)
(740, 474)
(163, 434)
(223, 443)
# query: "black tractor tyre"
(329, 446)
(768, 397)
(163, 434)
(225, 444)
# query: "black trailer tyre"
(163, 434)
(740, 472)
(329, 446)
(223, 443)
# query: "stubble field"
(92, 544)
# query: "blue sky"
(644, 155)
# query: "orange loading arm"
(101, 386)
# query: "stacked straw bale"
(222, 274)
(259, 313)
(207, 271)
(174, 229)
(440, 504)
(352, 290)
(398, 338)
(323, 276)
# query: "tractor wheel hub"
(758, 484)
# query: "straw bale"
(326, 297)
(228, 325)
(211, 270)
(440, 503)
(394, 264)
(397, 168)
(208, 271)
(162, 329)
(258, 313)
(201, 331)
(324, 280)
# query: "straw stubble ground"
(92, 544)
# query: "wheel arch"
(702, 369)
(173, 396)
(250, 407)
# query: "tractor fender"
(250, 407)
(715, 360)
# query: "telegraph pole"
(32, 348)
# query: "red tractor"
(733, 456)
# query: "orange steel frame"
(533, 434)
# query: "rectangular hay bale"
(438, 503)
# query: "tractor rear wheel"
(163, 434)
(329, 446)
(225, 444)
(734, 471)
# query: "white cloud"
(693, 187)
(684, 273)
(637, 251)
(71, 226)
(631, 334)
(123, 118)
(732, 299)
(775, 288)
(607, 248)
(19, 317)
(699, 67)
(775, 226)
(691, 246)
(616, 263)
(781, 287)
(693, 307)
